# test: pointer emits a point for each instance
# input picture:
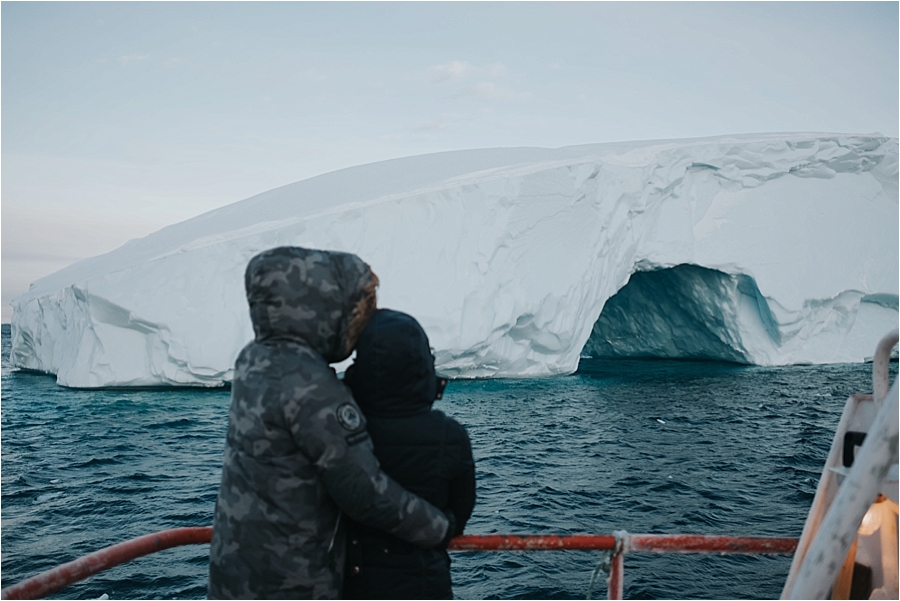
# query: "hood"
(393, 373)
(315, 297)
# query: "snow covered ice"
(767, 248)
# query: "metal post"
(882, 360)
(616, 580)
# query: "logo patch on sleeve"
(349, 417)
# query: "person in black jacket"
(394, 383)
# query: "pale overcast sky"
(121, 118)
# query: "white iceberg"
(768, 249)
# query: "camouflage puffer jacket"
(297, 452)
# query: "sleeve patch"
(349, 417)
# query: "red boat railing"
(617, 545)
(47, 583)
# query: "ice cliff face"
(767, 249)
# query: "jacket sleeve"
(462, 485)
(330, 430)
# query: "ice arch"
(685, 312)
(693, 312)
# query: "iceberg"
(766, 249)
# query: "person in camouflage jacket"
(297, 453)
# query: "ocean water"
(663, 447)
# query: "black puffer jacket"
(426, 452)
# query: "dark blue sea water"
(739, 453)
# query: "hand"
(451, 530)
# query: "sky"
(120, 118)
